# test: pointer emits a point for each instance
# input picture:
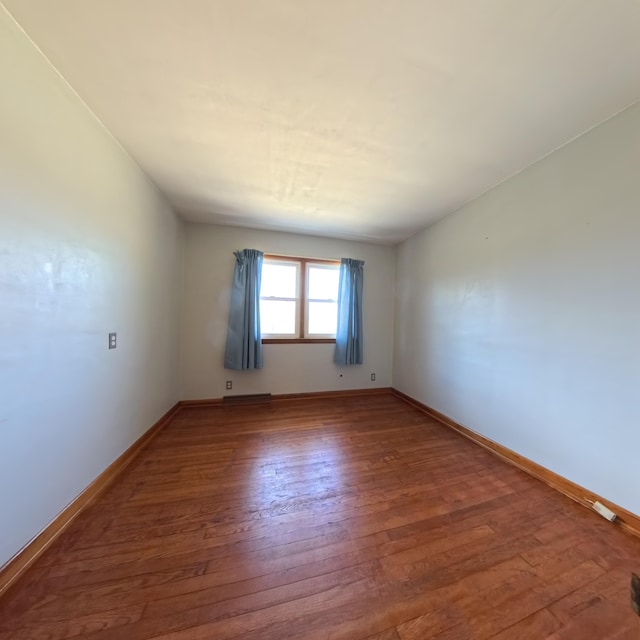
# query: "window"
(299, 299)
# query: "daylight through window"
(299, 299)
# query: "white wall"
(288, 368)
(87, 246)
(519, 315)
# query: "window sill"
(298, 340)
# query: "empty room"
(319, 320)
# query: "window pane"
(323, 283)
(278, 280)
(323, 318)
(278, 317)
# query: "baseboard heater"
(253, 398)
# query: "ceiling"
(363, 119)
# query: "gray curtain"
(349, 332)
(244, 344)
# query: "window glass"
(323, 283)
(298, 298)
(278, 280)
(323, 318)
(278, 317)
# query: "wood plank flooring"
(351, 518)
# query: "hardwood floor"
(351, 518)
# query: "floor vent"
(254, 398)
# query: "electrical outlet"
(229, 384)
(373, 377)
(113, 340)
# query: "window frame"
(302, 305)
(296, 299)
